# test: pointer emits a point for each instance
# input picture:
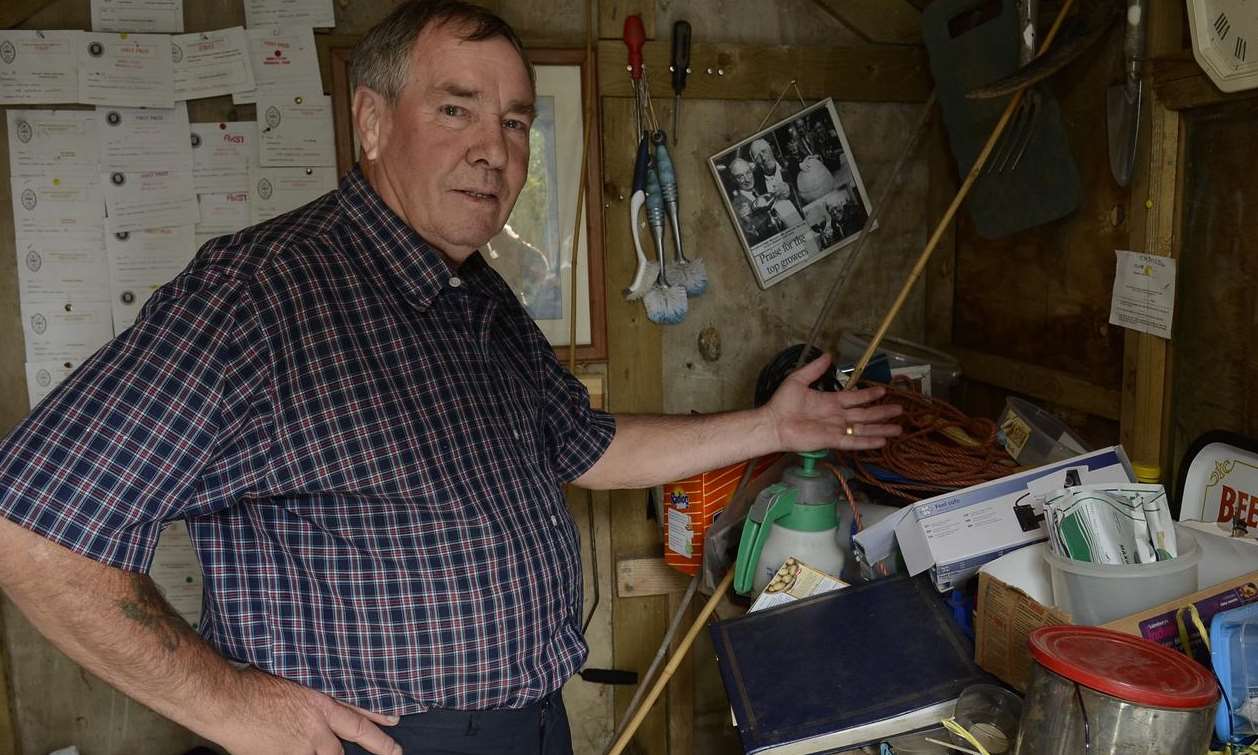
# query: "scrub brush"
(689, 273)
(647, 271)
(665, 302)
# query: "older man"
(771, 176)
(368, 439)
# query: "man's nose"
(489, 144)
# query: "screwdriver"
(680, 67)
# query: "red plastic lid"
(1122, 666)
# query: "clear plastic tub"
(945, 370)
(1034, 437)
(1099, 593)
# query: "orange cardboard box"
(692, 504)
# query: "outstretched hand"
(807, 420)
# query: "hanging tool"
(1122, 100)
(635, 37)
(691, 274)
(680, 66)
(647, 271)
(665, 301)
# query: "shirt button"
(553, 521)
(455, 282)
(516, 433)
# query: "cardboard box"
(954, 534)
(692, 505)
(1007, 616)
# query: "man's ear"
(371, 114)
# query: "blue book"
(844, 668)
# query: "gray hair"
(381, 60)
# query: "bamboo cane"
(935, 237)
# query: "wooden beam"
(681, 687)
(889, 22)
(9, 744)
(878, 73)
(1046, 384)
(15, 12)
(1179, 84)
(642, 577)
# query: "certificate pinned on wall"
(793, 192)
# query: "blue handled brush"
(665, 302)
(691, 274)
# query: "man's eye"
(516, 124)
(453, 111)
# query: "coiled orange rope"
(941, 449)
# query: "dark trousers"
(539, 729)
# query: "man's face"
(743, 176)
(451, 155)
(763, 156)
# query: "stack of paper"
(1111, 524)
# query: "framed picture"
(533, 253)
(793, 192)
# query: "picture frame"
(793, 192)
(533, 253)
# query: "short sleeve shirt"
(369, 449)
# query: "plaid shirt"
(368, 448)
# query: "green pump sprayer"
(795, 517)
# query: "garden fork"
(1017, 137)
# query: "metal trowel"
(1122, 100)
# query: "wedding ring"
(851, 429)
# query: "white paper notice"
(211, 63)
(52, 141)
(290, 13)
(295, 130)
(223, 213)
(282, 61)
(58, 328)
(278, 190)
(126, 70)
(153, 16)
(42, 377)
(72, 202)
(135, 200)
(142, 262)
(142, 138)
(38, 67)
(66, 264)
(1144, 293)
(221, 153)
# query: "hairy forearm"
(117, 625)
(650, 450)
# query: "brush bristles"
(693, 275)
(665, 305)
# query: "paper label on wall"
(57, 203)
(135, 200)
(66, 264)
(290, 13)
(275, 191)
(126, 70)
(1144, 293)
(295, 130)
(38, 67)
(211, 63)
(42, 377)
(222, 214)
(177, 571)
(144, 138)
(52, 141)
(142, 262)
(221, 153)
(153, 16)
(64, 329)
(283, 60)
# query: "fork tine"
(1001, 151)
(1033, 113)
(1016, 134)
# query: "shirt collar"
(402, 256)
